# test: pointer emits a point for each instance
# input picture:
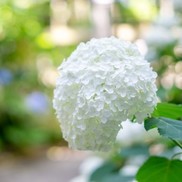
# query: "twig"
(179, 153)
(177, 143)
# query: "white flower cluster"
(103, 83)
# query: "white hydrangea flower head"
(103, 83)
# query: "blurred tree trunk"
(101, 19)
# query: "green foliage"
(108, 172)
(135, 150)
(113, 178)
(155, 168)
(168, 110)
(164, 119)
(160, 169)
(23, 42)
(106, 168)
(167, 127)
(124, 14)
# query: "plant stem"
(177, 143)
(180, 153)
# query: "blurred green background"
(35, 36)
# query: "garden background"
(35, 37)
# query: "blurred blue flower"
(37, 102)
(5, 76)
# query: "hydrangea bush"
(102, 84)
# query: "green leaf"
(160, 169)
(134, 150)
(99, 173)
(167, 127)
(116, 178)
(109, 172)
(113, 177)
(168, 110)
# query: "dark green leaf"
(135, 150)
(105, 169)
(168, 110)
(116, 178)
(160, 169)
(167, 127)
(109, 172)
